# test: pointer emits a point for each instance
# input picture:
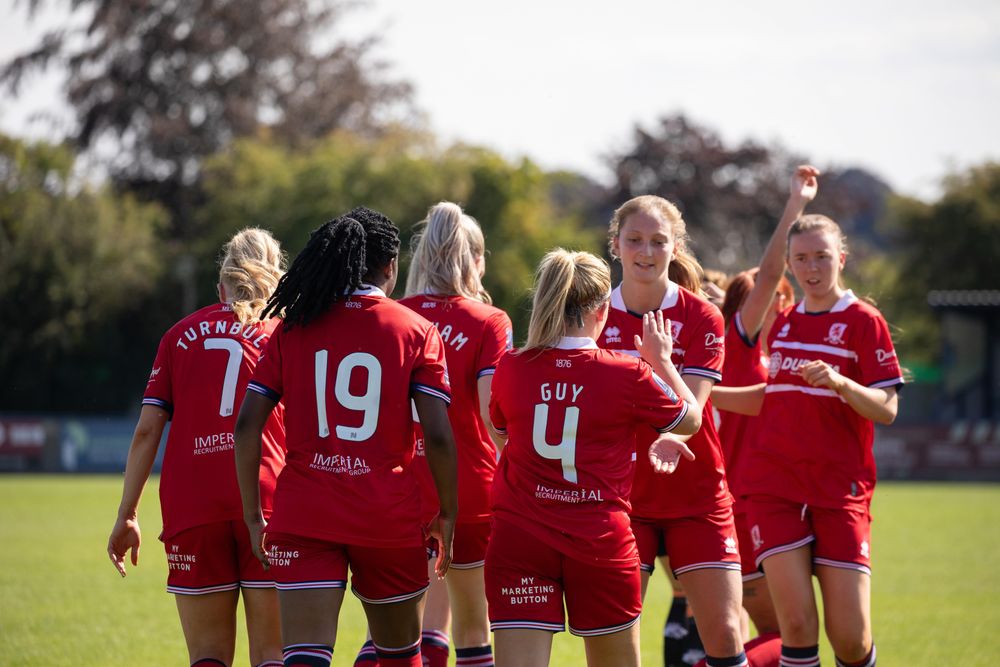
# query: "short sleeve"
(430, 372)
(877, 356)
(656, 404)
(498, 338)
(497, 417)
(704, 351)
(159, 387)
(267, 379)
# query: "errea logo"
(731, 546)
(613, 335)
(865, 549)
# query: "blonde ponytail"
(568, 285)
(684, 269)
(445, 251)
(252, 264)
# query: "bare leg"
(715, 597)
(846, 611)
(789, 578)
(209, 624)
(263, 624)
(522, 648)
(470, 622)
(620, 649)
(310, 616)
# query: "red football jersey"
(346, 380)
(571, 414)
(696, 487)
(475, 336)
(812, 447)
(744, 366)
(200, 375)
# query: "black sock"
(675, 629)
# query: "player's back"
(346, 379)
(202, 367)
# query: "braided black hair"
(340, 256)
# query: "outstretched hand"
(805, 183)
(656, 344)
(665, 453)
(125, 536)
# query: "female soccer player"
(347, 360)
(753, 299)
(444, 285)
(809, 479)
(692, 511)
(201, 371)
(560, 496)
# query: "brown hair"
(251, 265)
(684, 269)
(739, 288)
(567, 286)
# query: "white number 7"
(232, 371)
(565, 451)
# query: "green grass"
(936, 588)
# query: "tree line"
(207, 117)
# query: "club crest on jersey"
(785, 329)
(755, 536)
(613, 335)
(836, 334)
(774, 365)
(675, 330)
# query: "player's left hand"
(665, 453)
(443, 530)
(820, 374)
(256, 529)
(124, 536)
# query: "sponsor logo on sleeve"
(885, 357)
(156, 371)
(711, 340)
(836, 334)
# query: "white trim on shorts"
(843, 565)
(753, 576)
(202, 590)
(791, 546)
(709, 565)
(390, 600)
(468, 566)
(609, 630)
(526, 625)
(311, 585)
(256, 583)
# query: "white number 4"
(565, 451)
(367, 402)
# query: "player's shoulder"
(211, 312)
(401, 316)
(864, 310)
(692, 302)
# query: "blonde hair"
(252, 263)
(684, 269)
(444, 255)
(567, 285)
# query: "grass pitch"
(936, 591)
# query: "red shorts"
(693, 543)
(469, 550)
(526, 580)
(748, 564)
(379, 575)
(213, 557)
(841, 537)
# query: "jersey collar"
(842, 304)
(368, 290)
(576, 343)
(669, 298)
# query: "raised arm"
(802, 190)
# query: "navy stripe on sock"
(208, 662)
(473, 652)
(732, 661)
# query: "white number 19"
(367, 402)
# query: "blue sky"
(909, 90)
